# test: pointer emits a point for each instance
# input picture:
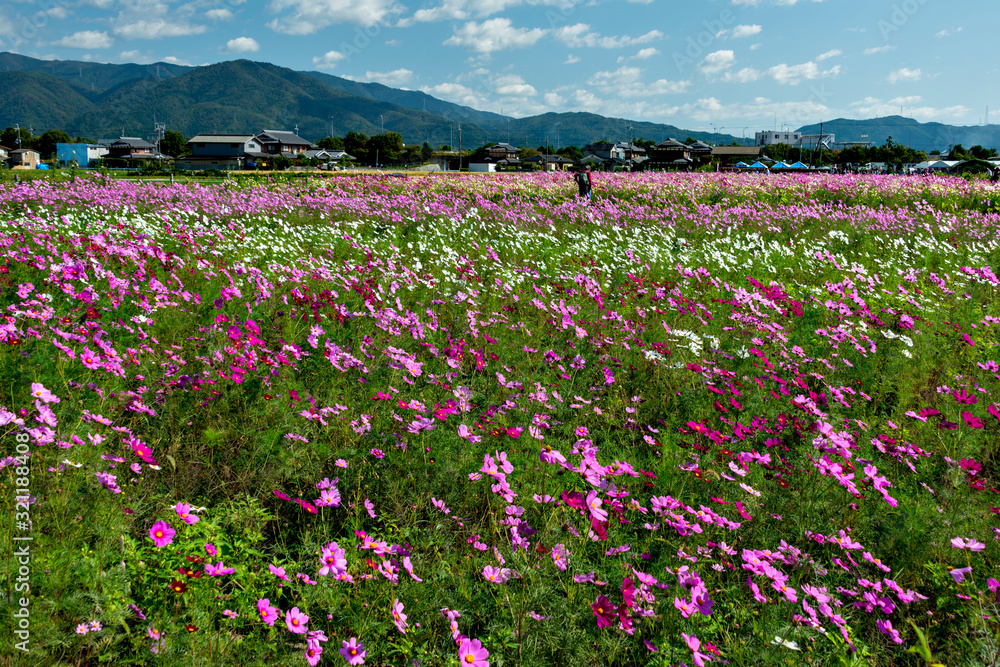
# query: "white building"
(771, 138)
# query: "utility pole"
(459, 147)
(381, 120)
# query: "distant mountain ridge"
(104, 101)
(909, 132)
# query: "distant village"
(283, 150)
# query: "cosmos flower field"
(706, 419)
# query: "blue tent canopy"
(780, 165)
(741, 163)
(757, 165)
(797, 165)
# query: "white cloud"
(873, 107)
(580, 36)
(242, 45)
(716, 62)
(554, 100)
(571, 59)
(877, 49)
(711, 109)
(395, 78)
(511, 85)
(745, 75)
(947, 33)
(462, 10)
(157, 28)
(740, 31)
(173, 60)
(646, 54)
(328, 60)
(305, 17)
(626, 82)
(794, 74)
(494, 35)
(459, 94)
(85, 39)
(219, 14)
(828, 54)
(904, 74)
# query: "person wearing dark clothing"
(583, 181)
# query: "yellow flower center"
(469, 658)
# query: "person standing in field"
(584, 182)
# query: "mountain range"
(103, 101)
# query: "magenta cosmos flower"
(296, 621)
(184, 512)
(268, 614)
(605, 611)
(354, 652)
(472, 653)
(161, 533)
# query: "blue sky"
(733, 65)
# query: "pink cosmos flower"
(218, 570)
(472, 653)
(184, 512)
(313, 654)
(161, 533)
(354, 652)
(694, 644)
(334, 560)
(296, 621)
(268, 614)
(279, 572)
(889, 631)
(229, 613)
(594, 506)
(210, 549)
(971, 545)
(398, 617)
(560, 556)
(958, 574)
(42, 394)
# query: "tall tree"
(10, 136)
(46, 144)
(331, 143)
(173, 144)
(386, 148)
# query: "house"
(605, 150)
(771, 138)
(4, 153)
(79, 154)
(502, 151)
(549, 162)
(670, 153)
(630, 152)
(129, 148)
(220, 151)
(486, 166)
(278, 142)
(24, 158)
